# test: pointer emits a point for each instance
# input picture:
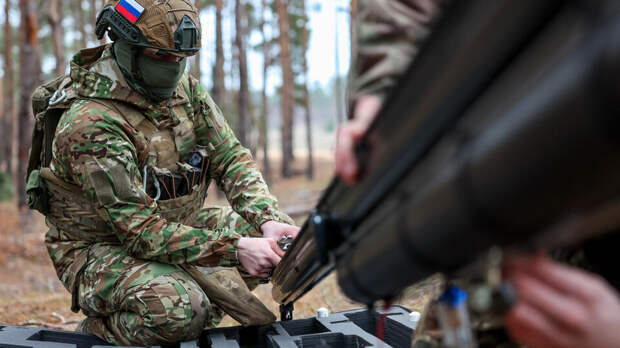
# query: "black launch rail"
(504, 132)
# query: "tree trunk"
(306, 94)
(29, 72)
(54, 16)
(3, 129)
(93, 10)
(244, 93)
(195, 69)
(263, 138)
(218, 70)
(287, 89)
(8, 109)
(353, 30)
(80, 21)
(219, 91)
(339, 91)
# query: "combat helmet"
(170, 26)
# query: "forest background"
(277, 68)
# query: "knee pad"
(173, 307)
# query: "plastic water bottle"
(454, 319)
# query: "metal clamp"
(155, 182)
(57, 97)
(285, 242)
(286, 311)
(324, 234)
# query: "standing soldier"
(131, 160)
(388, 35)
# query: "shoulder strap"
(49, 102)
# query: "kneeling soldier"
(131, 160)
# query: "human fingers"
(346, 165)
(346, 162)
(521, 262)
(562, 309)
(275, 254)
(528, 326)
(253, 270)
(569, 280)
(366, 109)
(264, 275)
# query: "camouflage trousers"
(129, 301)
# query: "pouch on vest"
(37, 196)
(49, 102)
(186, 179)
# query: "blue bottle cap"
(453, 296)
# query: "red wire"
(380, 334)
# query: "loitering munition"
(503, 132)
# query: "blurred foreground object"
(509, 140)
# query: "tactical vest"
(178, 200)
(179, 187)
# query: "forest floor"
(31, 294)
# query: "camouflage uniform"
(387, 37)
(125, 257)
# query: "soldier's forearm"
(233, 167)
(175, 243)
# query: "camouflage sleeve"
(386, 37)
(98, 150)
(232, 165)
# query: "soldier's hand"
(349, 135)
(561, 306)
(276, 230)
(259, 256)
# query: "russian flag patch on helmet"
(130, 9)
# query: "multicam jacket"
(105, 143)
(387, 36)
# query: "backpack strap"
(49, 102)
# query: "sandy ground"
(30, 293)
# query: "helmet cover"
(171, 26)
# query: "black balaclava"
(153, 78)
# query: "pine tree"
(195, 69)
(79, 18)
(263, 139)
(29, 72)
(242, 63)
(287, 102)
(218, 91)
(305, 37)
(8, 105)
(54, 17)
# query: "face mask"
(156, 79)
(160, 77)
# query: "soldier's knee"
(175, 308)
